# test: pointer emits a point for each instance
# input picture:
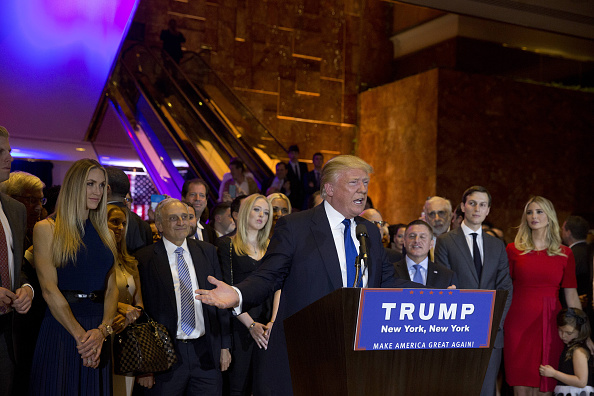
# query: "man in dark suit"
(307, 258)
(15, 294)
(574, 233)
(195, 192)
(170, 271)
(296, 174)
(374, 216)
(139, 232)
(313, 178)
(416, 266)
(480, 262)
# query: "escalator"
(186, 118)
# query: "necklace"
(125, 275)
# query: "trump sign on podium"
(391, 319)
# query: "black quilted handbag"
(143, 348)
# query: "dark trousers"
(193, 374)
(242, 364)
(7, 362)
(490, 382)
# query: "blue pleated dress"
(57, 365)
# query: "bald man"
(374, 216)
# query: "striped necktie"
(188, 316)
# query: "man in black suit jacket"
(139, 233)
(455, 250)
(418, 239)
(296, 174)
(313, 178)
(307, 259)
(202, 339)
(574, 233)
(195, 192)
(15, 294)
(374, 216)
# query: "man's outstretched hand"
(222, 296)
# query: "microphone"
(361, 232)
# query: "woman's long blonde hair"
(240, 238)
(70, 214)
(524, 241)
(124, 258)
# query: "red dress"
(530, 331)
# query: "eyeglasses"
(32, 200)
(129, 200)
(379, 223)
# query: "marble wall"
(441, 131)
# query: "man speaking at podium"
(309, 256)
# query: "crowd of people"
(222, 280)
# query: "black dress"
(242, 373)
(566, 366)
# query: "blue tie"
(418, 278)
(351, 254)
(188, 316)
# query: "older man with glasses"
(28, 190)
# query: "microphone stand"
(359, 273)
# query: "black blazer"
(438, 276)
(302, 260)
(158, 293)
(208, 233)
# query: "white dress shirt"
(199, 316)
(335, 219)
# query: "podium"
(320, 342)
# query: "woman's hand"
(268, 330)
(89, 347)
(129, 312)
(257, 331)
(119, 324)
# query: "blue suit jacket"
(302, 261)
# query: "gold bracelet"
(102, 333)
(252, 325)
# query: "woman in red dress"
(539, 267)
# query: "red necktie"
(4, 270)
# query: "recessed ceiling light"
(81, 149)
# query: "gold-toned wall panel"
(398, 137)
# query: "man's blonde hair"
(334, 167)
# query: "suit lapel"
(460, 241)
(199, 264)
(163, 270)
(488, 265)
(402, 270)
(320, 228)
